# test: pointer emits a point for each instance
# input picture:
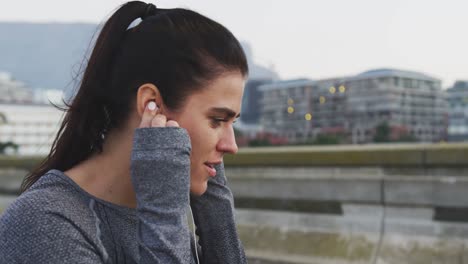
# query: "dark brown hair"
(177, 50)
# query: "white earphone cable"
(194, 235)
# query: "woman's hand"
(152, 118)
(160, 175)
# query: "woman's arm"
(32, 231)
(213, 213)
(160, 170)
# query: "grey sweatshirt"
(55, 221)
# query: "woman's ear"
(146, 93)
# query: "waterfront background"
(353, 131)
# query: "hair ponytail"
(87, 118)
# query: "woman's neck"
(107, 175)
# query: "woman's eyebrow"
(224, 111)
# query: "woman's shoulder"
(49, 216)
(53, 191)
(51, 198)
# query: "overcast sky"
(310, 38)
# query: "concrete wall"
(353, 204)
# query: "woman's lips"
(211, 170)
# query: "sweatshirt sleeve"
(213, 213)
(160, 172)
(31, 234)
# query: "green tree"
(382, 133)
(5, 145)
(324, 139)
(259, 142)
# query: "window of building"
(407, 83)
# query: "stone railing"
(347, 204)
(353, 204)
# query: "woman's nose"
(227, 143)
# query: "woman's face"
(208, 116)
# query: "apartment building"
(412, 104)
(457, 97)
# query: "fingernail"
(152, 106)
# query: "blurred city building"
(251, 101)
(411, 105)
(457, 97)
(27, 119)
(249, 121)
(14, 91)
(283, 108)
(258, 75)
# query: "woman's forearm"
(160, 170)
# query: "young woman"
(141, 144)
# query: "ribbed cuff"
(151, 138)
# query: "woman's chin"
(199, 188)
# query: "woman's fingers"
(159, 121)
(148, 115)
(172, 123)
(151, 118)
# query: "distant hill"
(43, 55)
(48, 55)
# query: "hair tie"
(150, 11)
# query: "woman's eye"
(217, 121)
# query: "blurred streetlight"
(322, 99)
(342, 89)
